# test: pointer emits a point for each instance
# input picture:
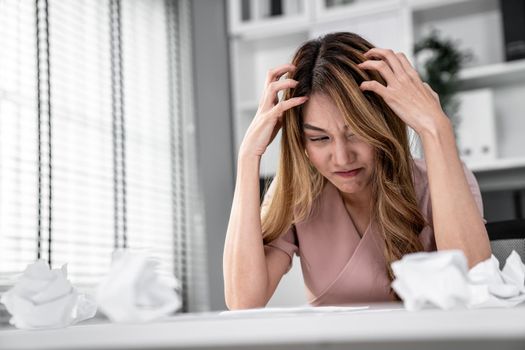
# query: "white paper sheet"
(307, 309)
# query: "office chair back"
(506, 236)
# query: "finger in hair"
(374, 86)
(276, 73)
(388, 56)
(285, 105)
(382, 67)
(273, 88)
(409, 68)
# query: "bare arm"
(244, 263)
(457, 221)
(250, 275)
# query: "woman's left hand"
(411, 99)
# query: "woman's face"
(345, 159)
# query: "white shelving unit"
(497, 74)
(261, 42)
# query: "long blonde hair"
(328, 65)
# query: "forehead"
(322, 112)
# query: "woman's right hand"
(268, 119)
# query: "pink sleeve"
(286, 242)
(474, 189)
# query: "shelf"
(425, 5)
(271, 27)
(352, 11)
(497, 164)
(493, 75)
(505, 174)
(278, 26)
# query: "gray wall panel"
(214, 131)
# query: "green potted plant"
(438, 61)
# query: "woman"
(347, 198)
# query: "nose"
(340, 154)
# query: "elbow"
(240, 305)
(242, 302)
(477, 256)
(473, 261)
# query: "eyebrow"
(311, 127)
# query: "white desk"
(384, 326)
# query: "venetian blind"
(97, 138)
(18, 137)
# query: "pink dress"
(340, 267)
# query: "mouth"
(349, 173)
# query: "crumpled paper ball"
(438, 278)
(442, 279)
(136, 291)
(491, 287)
(44, 298)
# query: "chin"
(347, 188)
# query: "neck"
(359, 202)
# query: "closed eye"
(316, 139)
